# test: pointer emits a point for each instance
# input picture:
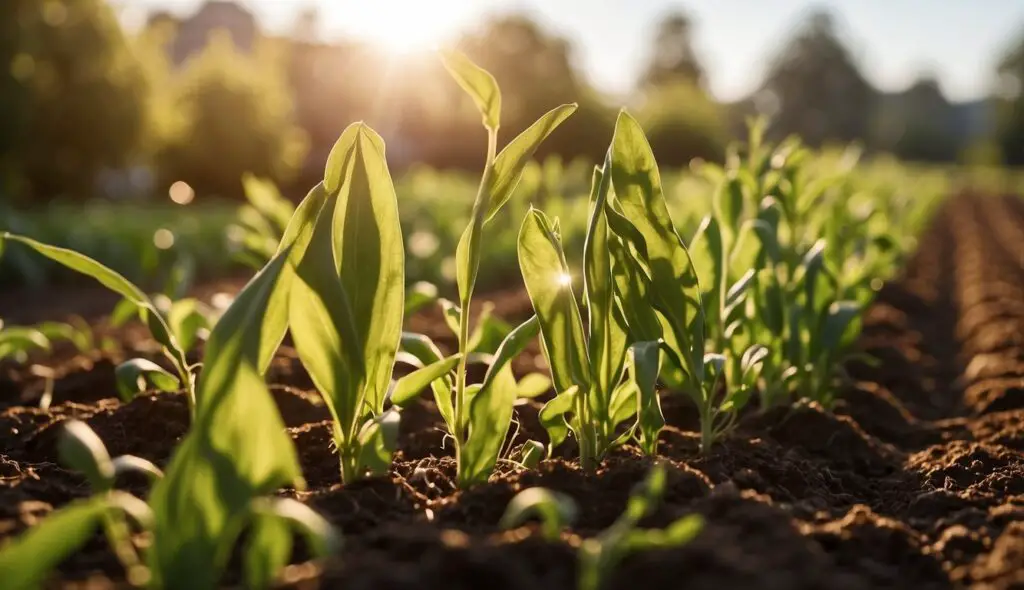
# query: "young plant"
(598, 557)
(17, 342)
(213, 489)
(666, 301)
(261, 222)
(144, 306)
(478, 416)
(347, 299)
(588, 366)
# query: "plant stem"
(479, 211)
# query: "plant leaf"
(508, 166)
(644, 369)
(407, 388)
(133, 374)
(555, 509)
(546, 275)
(675, 290)
(552, 417)
(478, 84)
(220, 466)
(82, 450)
(26, 562)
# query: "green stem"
(479, 210)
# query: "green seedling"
(478, 416)
(261, 223)
(17, 342)
(346, 301)
(144, 306)
(214, 489)
(589, 367)
(598, 557)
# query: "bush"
(232, 115)
(683, 123)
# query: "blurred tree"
(1010, 105)
(683, 123)
(72, 95)
(673, 59)
(815, 89)
(235, 116)
(681, 120)
(917, 124)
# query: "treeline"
(89, 109)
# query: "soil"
(915, 479)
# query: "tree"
(815, 89)
(673, 59)
(235, 116)
(72, 94)
(917, 124)
(683, 123)
(1010, 105)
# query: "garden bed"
(914, 480)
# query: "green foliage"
(597, 557)
(588, 366)
(144, 306)
(347, 299)
(50, 145)
(234, 116)
(478, 418)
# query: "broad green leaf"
(552, 417)
(82, 450)
(606, 344)
(370, 256)
(632, 290)
(533, 385)
(133, 375)
(555, 510)
(675, 290)
(513, 344)
(324, 330)
(378, 440)
(531, 454)
(509, 164)
(490, 415)
(420, 346)
(220, 466)
(491, 408)
(841, 315)
(478, 84)
(408, 387)
(548, 284)
(643, 371)
(268, 549)
(26, 562)
(443, 392)
(296, 239)
(187, 319)
(452, 315)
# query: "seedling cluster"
(762, 301)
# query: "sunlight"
(401, 27)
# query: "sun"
(401, 27)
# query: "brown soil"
(914, 480)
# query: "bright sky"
(960, 40)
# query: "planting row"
(762, 303)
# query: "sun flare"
(402, 27)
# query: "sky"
(961, 41)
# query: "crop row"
(762, 302)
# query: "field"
(838, 402)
